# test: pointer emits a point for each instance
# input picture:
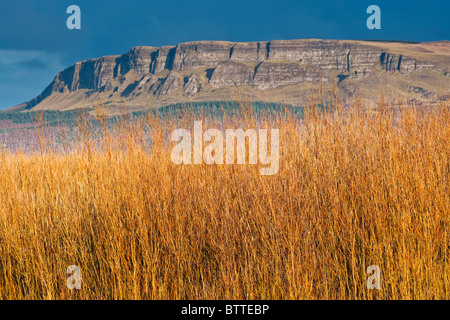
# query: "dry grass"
(354, 189)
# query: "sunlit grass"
(354, 189)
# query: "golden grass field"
(355, 188)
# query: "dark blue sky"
(35, 42)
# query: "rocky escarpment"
(190, 69)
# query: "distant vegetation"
(50, 117)
(216, 108)
(209, 107)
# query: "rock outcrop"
(168, 85)
(271, 75)
(204, 66)
(229, 73)
(192, 85)
(392, 62)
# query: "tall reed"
(355, 188)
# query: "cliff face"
(392, 62)
(271, 75)
(189, 69)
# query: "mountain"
(272, 71)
